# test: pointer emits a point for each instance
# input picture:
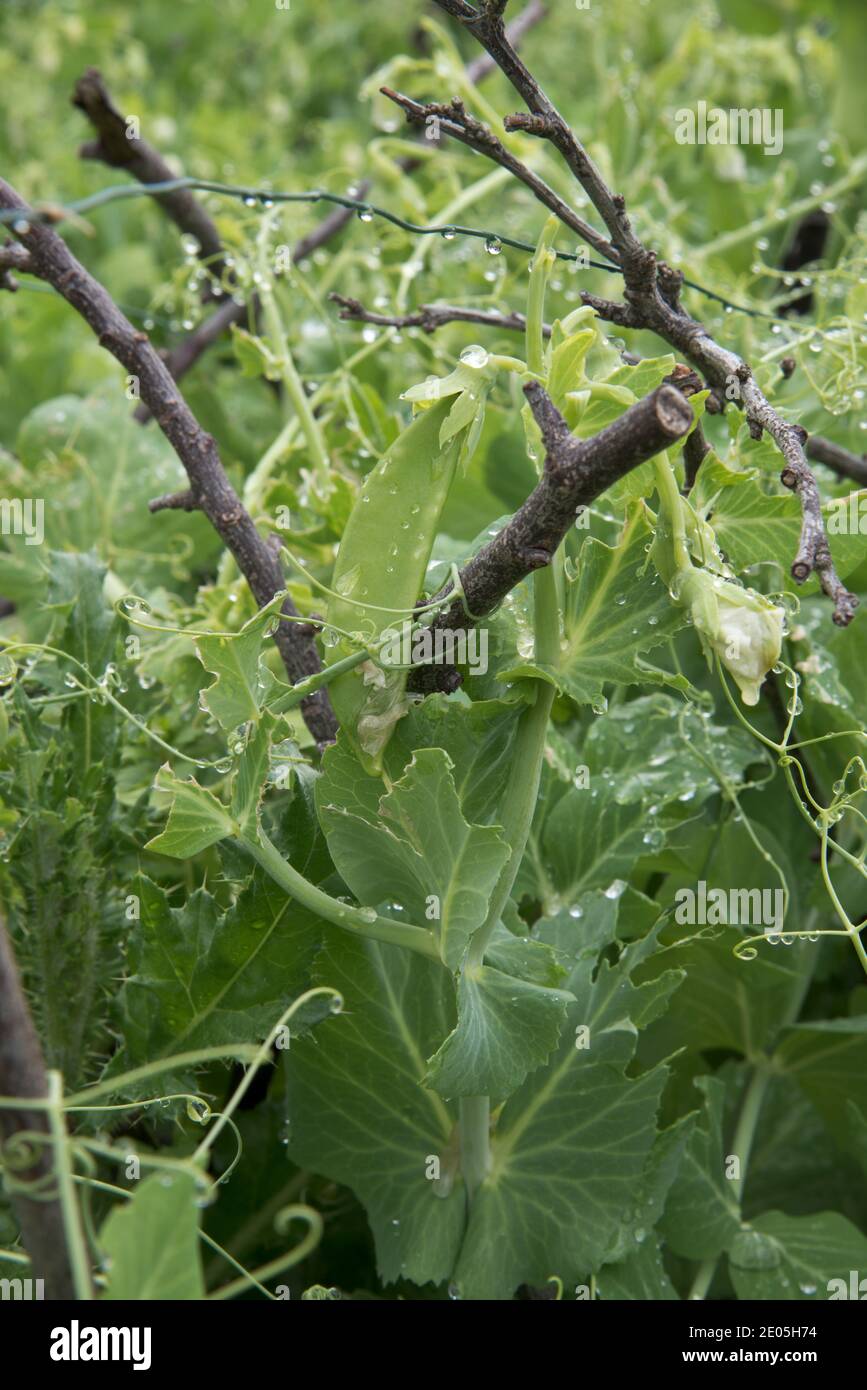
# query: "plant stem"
(540, 269)
(748, 1120)
(306, 687)
(724, 243)
(288, 371)
(75, 1244)
(359, 920)
(475, 1126)
(672, 511)
(519, 804)
(522, 791)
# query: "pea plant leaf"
(201, 975)
(616, 611)
(242, 680)
(101, 469)
(580, 1105)
(748, 522)
(798, 1258)
(703, 1213)
(152, 1243)
(827, 1058)
(196, 818)
(412, 844)
(359, 1113)
(506, 1027)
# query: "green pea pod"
(382, 560)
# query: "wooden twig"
(430, 317)
(53, 262)
(576, 472)
(118, 146)
(181, 358)
(652, 298)
(848, 465)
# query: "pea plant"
(433, 840)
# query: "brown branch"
(13, 256)
(53, 262)
(181, 358)
(482, 66)
(430, 317)
(28, 1162)
(848, 465)
(695, 450)
(454, 120)
(651, 294)
(117, 147)
(174, 501)
(576, 472)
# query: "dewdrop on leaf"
(743, 628)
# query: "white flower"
(742, 627)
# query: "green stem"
(522, 791)
(748, 1120)
(540, 269)
(306, 687)
(672, 510)
(361, 921)
(743, 1143)
(288, 371)
(475, 1127)
(75, 1243)
(519, 804)
(795, 210)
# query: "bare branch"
(848, 465)
(529, 17)
(652, 301)
(430, 317)
(694, 452)
(174, 501)
(453, 119)
(117, 146)
(181, 358)
(576, 472)
(53, 262)
(27, 1161)
(13, 256)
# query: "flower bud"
(742, 627)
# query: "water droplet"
(345, 585)
(475, 356)
(365, 215)
(493, 246)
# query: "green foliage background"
(609, 1169)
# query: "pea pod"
(382, 560)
